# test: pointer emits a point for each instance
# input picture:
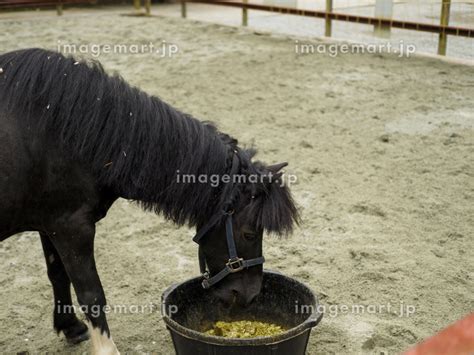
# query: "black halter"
(234, 264)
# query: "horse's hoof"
(77, 334)
(78, 338)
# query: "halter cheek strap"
(234, 264)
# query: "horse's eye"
(250, 236)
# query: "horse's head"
(263, 204)
(240, 287)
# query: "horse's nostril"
(251, 298)
(242, 298)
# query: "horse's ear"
(274, 208)
(277, 167)
(274, 172)
(251, 152)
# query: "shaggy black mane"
(133, 142)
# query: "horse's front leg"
(64, 317)
(75, 244)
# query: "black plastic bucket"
(188, 309)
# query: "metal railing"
(443, 29)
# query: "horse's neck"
(158, 184)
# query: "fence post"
(443, 37)
(183, 9)
(148, 7)
(244, 14)
(59, 9)
(136, 4)
(383, 9)
(328, 31)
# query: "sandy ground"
(383, 149)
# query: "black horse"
(74, 140)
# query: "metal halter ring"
(235, 265)
(229, 212)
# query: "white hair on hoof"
(101, 343)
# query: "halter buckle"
(235, 265)
(228, 212)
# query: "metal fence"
(443, 28)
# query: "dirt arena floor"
(383, 149)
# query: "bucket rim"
(313, 319)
